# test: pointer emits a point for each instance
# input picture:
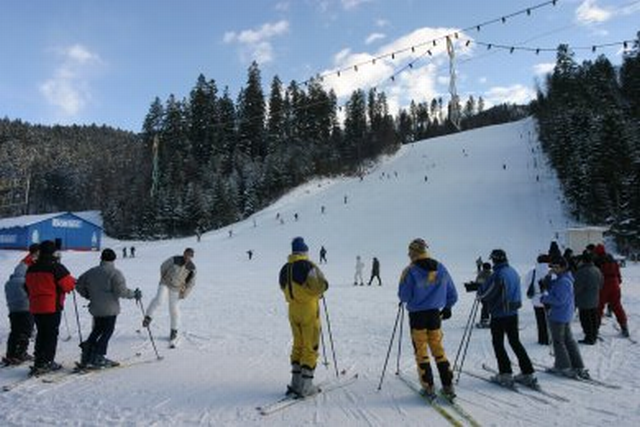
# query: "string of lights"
(432, 42)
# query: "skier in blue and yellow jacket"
(303, 284)
(429, 293)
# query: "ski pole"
(466, 347)
(400, 340)
(333, 349)
(325, 362)
(153, 343)
(66, 323)
(75, 305)
(466, 339)
(393, 335)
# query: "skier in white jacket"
(533, 292)
(358, 276)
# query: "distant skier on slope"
(177, 279)
(303, 284)
(429, 293)
(103, 286)
(501, 292)
(375, 271)
(358, 276)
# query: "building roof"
(92, 217)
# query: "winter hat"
(558, 261)
(418, 246)
(34, 247)
(599, 250)
(543, 259)
(498, 256)
(298, 245)
(47, 247)
(108, 255)
(554, 250)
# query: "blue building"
(80, 231)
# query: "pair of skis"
(63, 374)
(324, 387)
(442, 403)
(535, 386)
(593, 381)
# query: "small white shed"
(579, 237)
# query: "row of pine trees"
(212, 161)
(589, 125)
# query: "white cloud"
(382, 23)
(256, 44)
(352, 4)
(589, 13)
(420, 83)
(69, 89)
(373, 37)
(483, 80)
(516, 94)
(543, 68)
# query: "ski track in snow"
(234, 352)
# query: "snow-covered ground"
(465, 194)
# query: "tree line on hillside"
(205, 161)
(589, 126)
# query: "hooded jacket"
(47, 282)
(501, 292)
(103, 286)
(178, 274)
(426, 285)
(560, 298)
(302, 283)
(588, 281)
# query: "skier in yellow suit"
(303, 284)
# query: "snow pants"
(589, 321)
(426, 334)
(101, 332)
(541, 323)
(501, 326)
(47, 325)
(565, 347)
(611, 295)
(174, 298)
(305, 328)
(21, 330)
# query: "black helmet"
(498, 256)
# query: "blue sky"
(103, 62)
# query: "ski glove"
(137, 294)
(445, 313)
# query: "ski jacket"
(535, 276)
(302, 282)
(611, 272)
(15, 290)
(588, 280)
(47, 282)
(426, 285)
(179, 275)
(559, 298)
(501, 292)
(375, 269)
(103, 286)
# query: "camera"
(471, 286)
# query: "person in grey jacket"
(177, 279)
(103, 286)
(20, 317)
(588, 280)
